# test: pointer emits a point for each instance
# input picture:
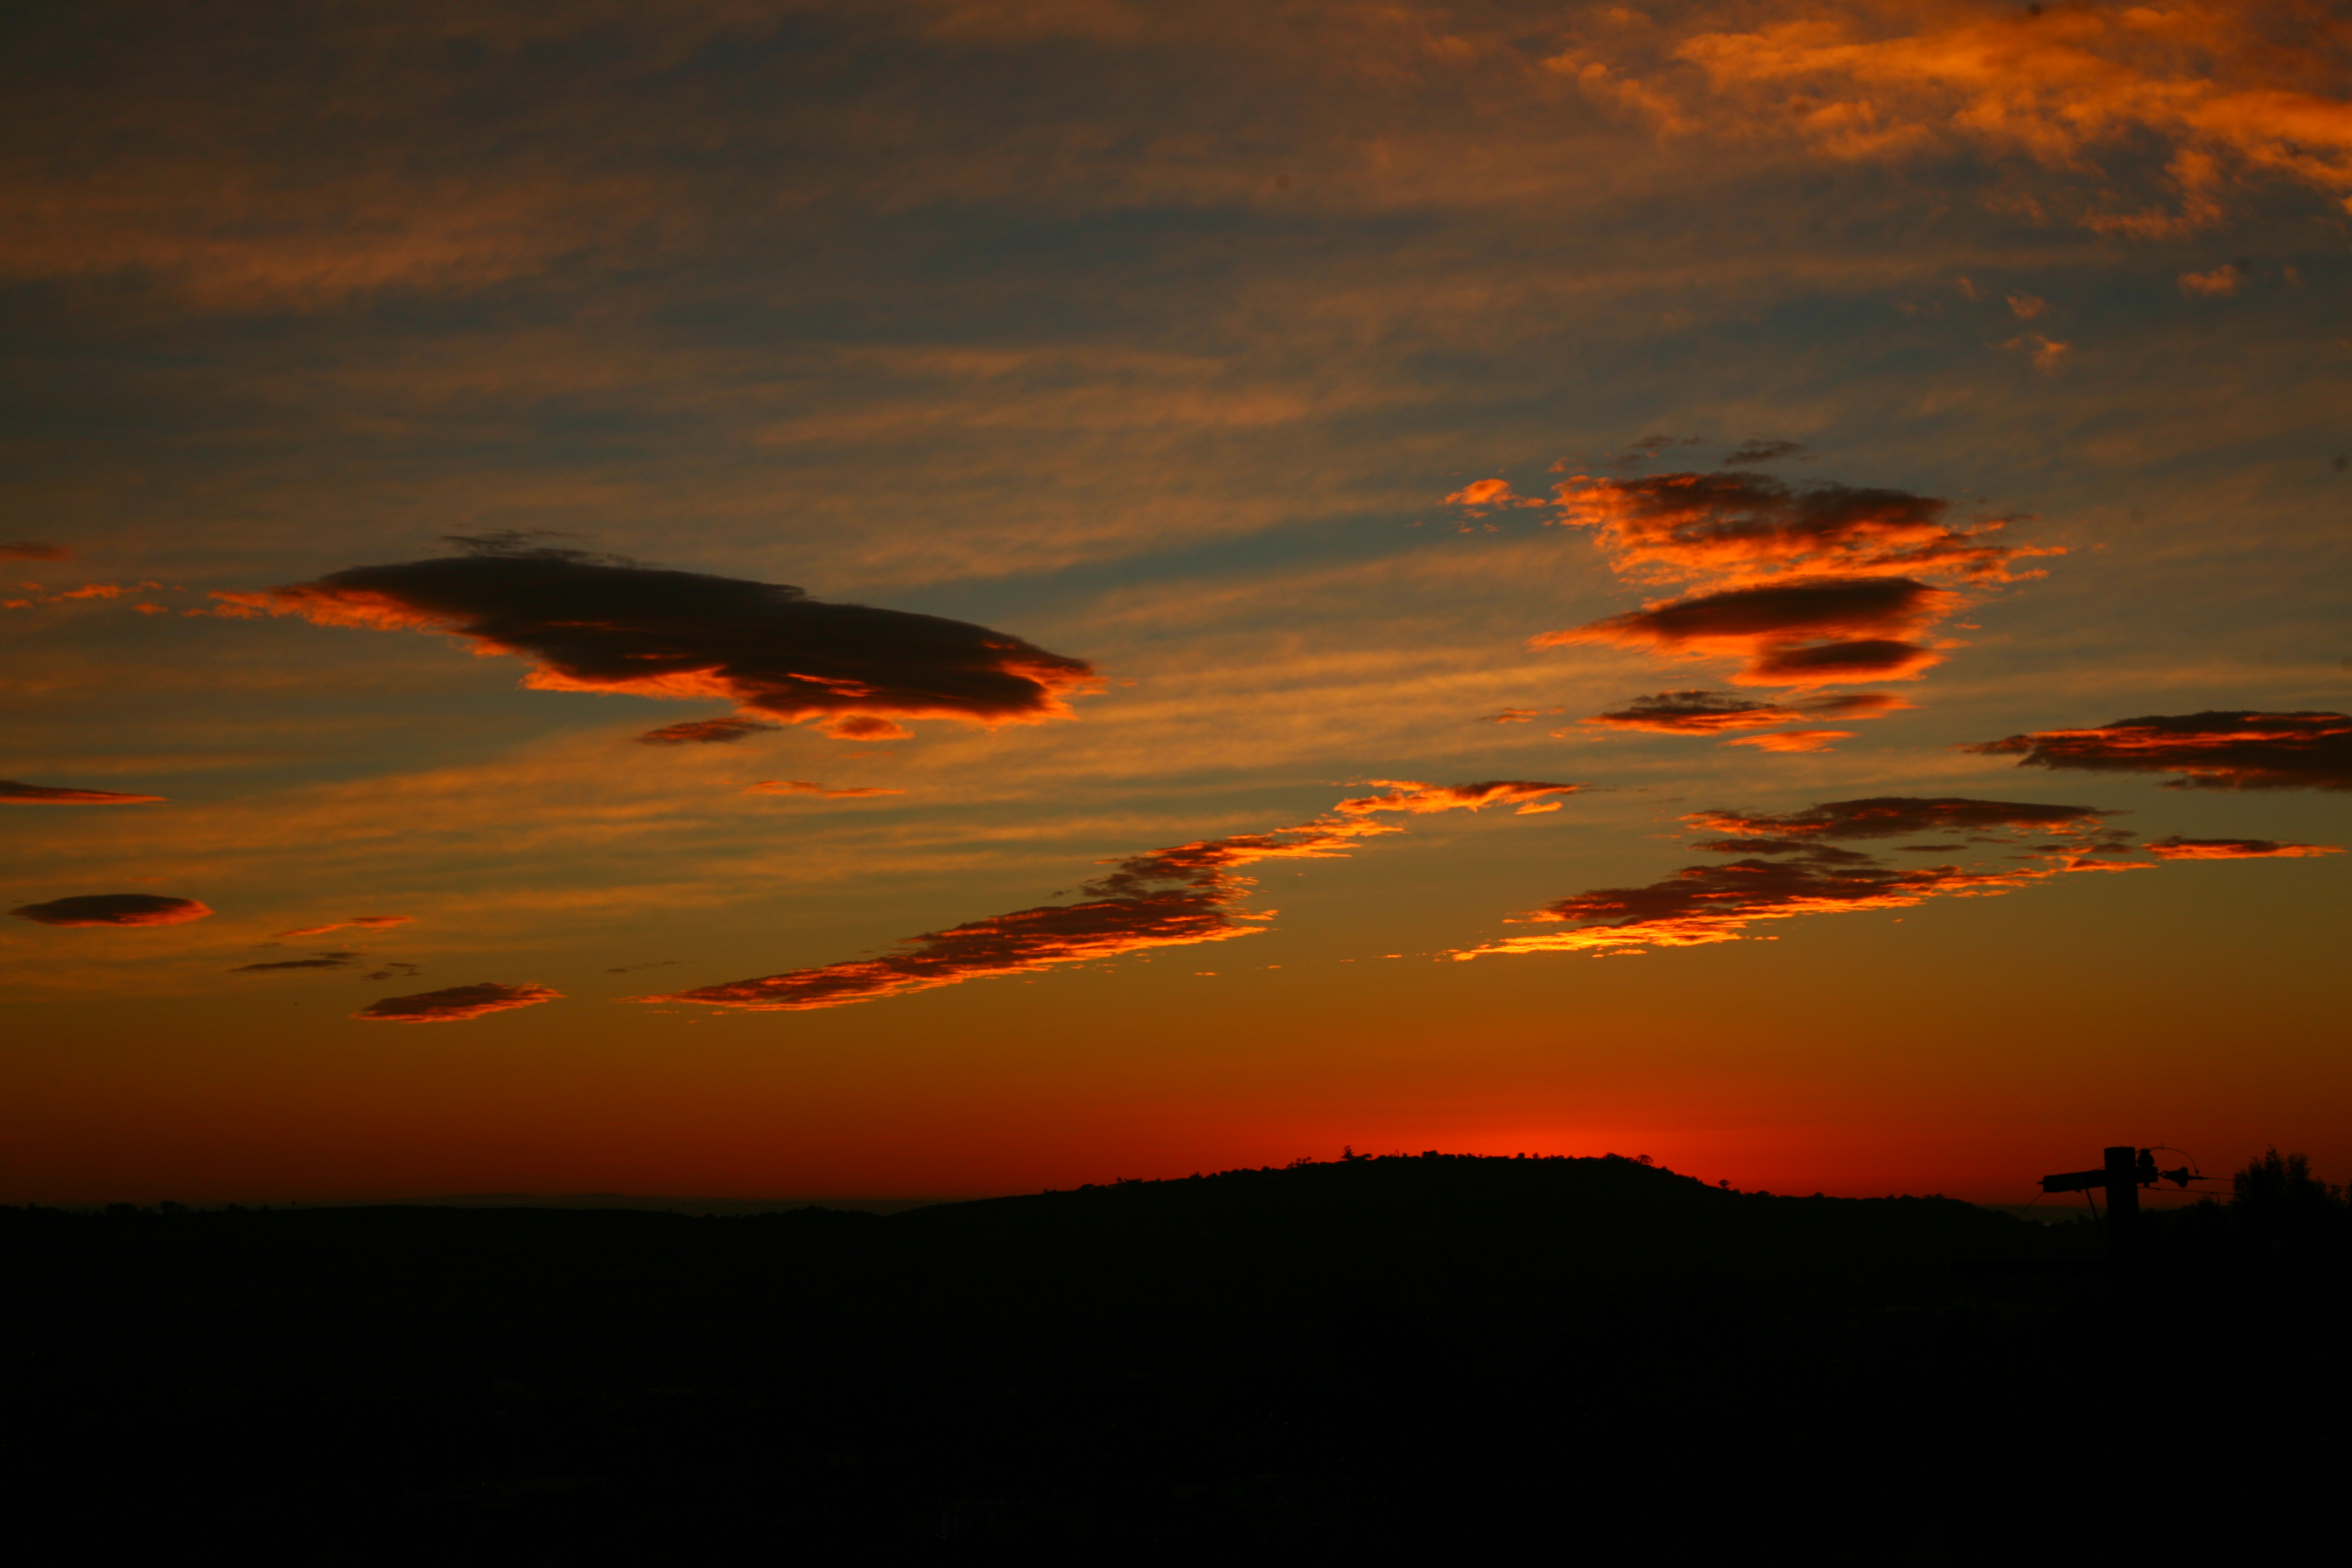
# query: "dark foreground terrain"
(1465, 1360)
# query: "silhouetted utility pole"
(2126, 1170)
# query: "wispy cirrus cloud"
(804, 787)
(455, 1004)
(2179, 848)
(2066, 101)
(1711, 903)
(1787, 867)
(1900, 816)
(588, 624)
(2231, 749)
(12, 793)
(113, 910)
(353, 922)
(1518, 715)
(1179, 896)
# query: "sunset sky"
(936, 597)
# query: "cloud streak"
(340, 958)
(1788, 868)
(1179, 896)
(455, 1004)
(2178, 848)
(2215, 749)
(354, 923)
(113, 910)
(804, 787)
(12, 793)
(587, 624)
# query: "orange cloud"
(2047, 90)
(703, 732)
(1900, 815)
(2178, 848)
(1421, 798)
(455, 1004)
(1794, 740)
(1178, 895)
(15, 794)
(2220, 283)
(356, 922)
(585, 624)
(113, 910)
(1702, 904)
(1517, 715)
(1784, 630)
(31, 550)
(2224, 750)
(802, 786)
(1738, 527)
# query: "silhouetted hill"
(1438, 1352)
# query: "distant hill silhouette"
(1450, 1355)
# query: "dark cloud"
(2176, 849)
(630, 968)
(351, 922)
(589, 625)
(1179, 896)
(1810, 631)
(396, 970)
(1713, 713)
(703, 732)
(1692, 713)
(1762, 451)
(1741, 526)
(15, 794)
(454, 1003)
(1811, 848)
(1899, 815)
(32, 550)
(342, 958)
(113, 910)
(2226, 750)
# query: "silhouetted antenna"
(2125, 1171)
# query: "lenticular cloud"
(15, 794)
(2228, 750)
(588, 624)
(1178, 895)
(113, 910)
(455, 1004)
